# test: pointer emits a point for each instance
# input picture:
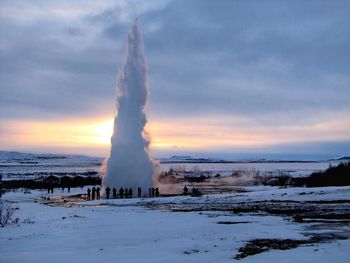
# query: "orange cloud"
(201, 133)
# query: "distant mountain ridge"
(189, 159)
(343, 158)
(38, 158)
(45, 158)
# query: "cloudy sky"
(226, 77)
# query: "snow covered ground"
(127, 231)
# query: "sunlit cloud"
(29, 11)
(67, 134)
(124, 10)
(188, 134)
(227, 132)
(216, 85)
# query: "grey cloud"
(228, 57)
(43, 73)
(236, 40)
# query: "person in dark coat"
(93, 193)
(139, 192)
(98, 189)
(121, 192)
(114, 193)
(157, 192)
(185, 190)
(108, 191)
(88, 194)
(153, 192)
(194, 191)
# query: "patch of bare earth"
(257, 246)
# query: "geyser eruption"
(129, 164)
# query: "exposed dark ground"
(256, 246)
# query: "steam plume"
(129, 164)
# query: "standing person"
(93, 193)
(121, 192)
(108, 190)
(193, 191)
(139, 192)
(98, 189)
(88, 194)
(157, 192)
(114, 193)
(153, 191)
(185, 190)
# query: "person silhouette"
(139, 192)
(121, 192)
(114, 193)
(185, 190)
(98, 189)
(93, 193)
(108, 191)
(88, 194)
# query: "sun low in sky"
(225, 76)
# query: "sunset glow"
(174, 130)
(219, 81)
(185, 134)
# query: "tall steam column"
(129, 164)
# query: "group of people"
(153, 192)
(194, 192)
(50, 190)
(94, 193)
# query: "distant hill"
(47, 158)
(12, 157)
(189, 159)
(334, 176)
(343, 158)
